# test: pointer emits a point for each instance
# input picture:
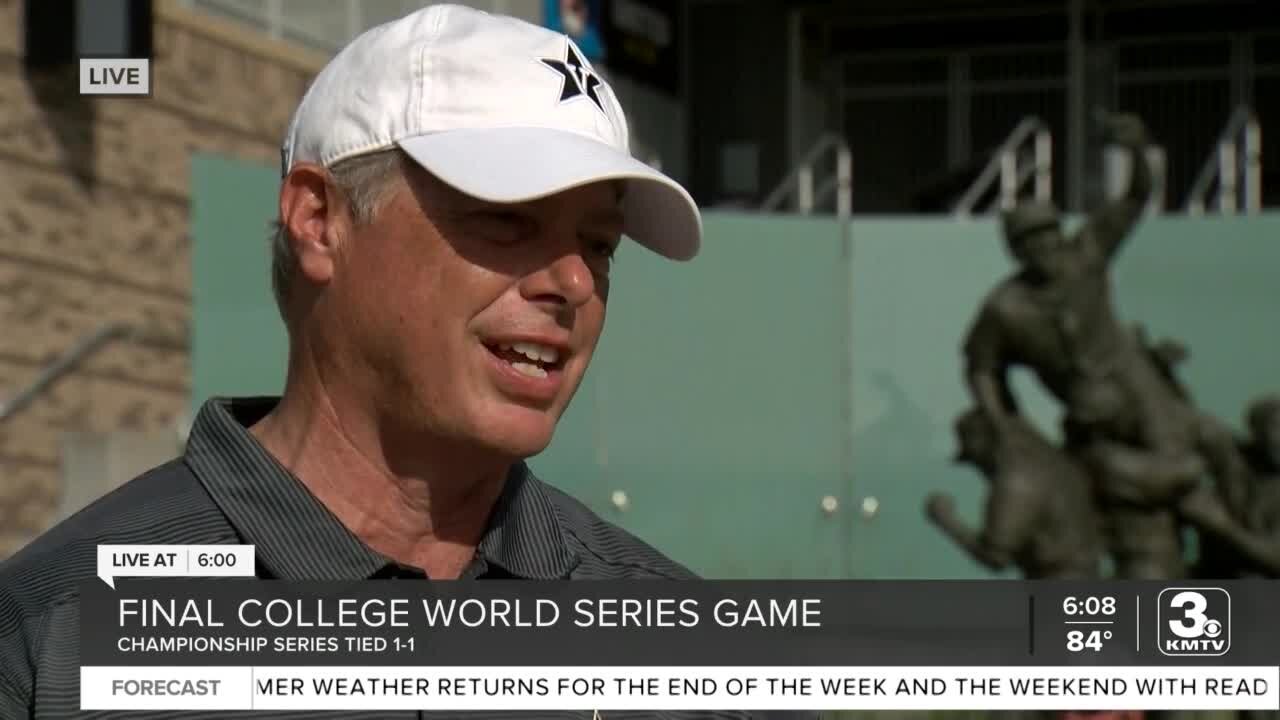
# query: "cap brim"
(519, 164)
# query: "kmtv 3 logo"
(1194, 621)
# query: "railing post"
(804, 189)
(1044, 165)
(1252, 166)
(1008, 178)
(1229, 166)
(1227, 177)
(1157, 161)
(844, 182)
(801, 180)
(1007, 167)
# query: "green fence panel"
(1212, 284)
(916, 285)
(714, 402)
(238, 344)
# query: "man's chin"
(517, 432)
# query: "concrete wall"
(94, 229)
(95, 463)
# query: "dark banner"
(242, 622)
(643, 41)
(636, 38)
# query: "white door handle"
(830, 504)
(870, 506)
(620, 500)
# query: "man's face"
(1043, 251)
(475, 321)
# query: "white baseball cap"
(496, 107)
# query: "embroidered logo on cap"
(576, 79)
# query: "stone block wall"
(94, 210)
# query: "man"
(1056, 317)
(1039, 511)
(455, 185)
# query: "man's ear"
(315, 219)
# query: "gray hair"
(365, 182)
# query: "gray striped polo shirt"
(226, 488)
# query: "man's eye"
(503, 217)
(602, 252)
(604, 248)
(503, 226)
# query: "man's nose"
(566, 281)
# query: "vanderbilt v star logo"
(576, 79)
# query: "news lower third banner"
(232, 643)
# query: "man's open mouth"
(529, 359)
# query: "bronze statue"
(1246, 544)
(1136, 494)
(1055, 316)
(1039, 512)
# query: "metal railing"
(1236, 166)
(78, 353)
(800, 181)
(1006, 168)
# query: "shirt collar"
(298, 538)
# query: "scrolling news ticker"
(223, 640)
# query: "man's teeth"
(535, 352)
(528, 369)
